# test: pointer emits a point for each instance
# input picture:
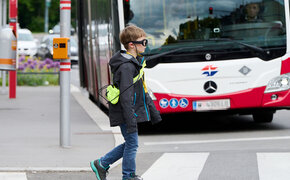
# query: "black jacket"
(134, 104)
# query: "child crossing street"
(134, 104)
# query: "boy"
(134, 105)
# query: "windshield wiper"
(153, 60)
(255, 49)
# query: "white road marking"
(172, 166)
(216, 141)
(274, 166)
(46, 169)
(12, 176)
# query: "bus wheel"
(263, 117)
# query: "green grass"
(35, 80)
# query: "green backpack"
(113, 93)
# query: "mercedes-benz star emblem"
(210, 87)
(208, 56)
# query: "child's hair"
(131, 33)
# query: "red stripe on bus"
(240, 99)
(285, 67)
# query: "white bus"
(229, 56)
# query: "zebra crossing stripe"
(274, 166)
(217, 141)
(172, 166)
(12, 176)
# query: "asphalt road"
(207, 148)
(191, 147)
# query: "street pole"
(1, 25)
(3, 91)
(1, 13)
(3, 19)
(46, 15)
(13, 24)
(65, 65)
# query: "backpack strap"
(141, 72)
(113, 93)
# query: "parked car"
(56, 30)
(46, 48)
(26, 44)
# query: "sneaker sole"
(93, 167)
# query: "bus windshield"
(172, 24)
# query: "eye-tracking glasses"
(144, 42)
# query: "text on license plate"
(207, 105)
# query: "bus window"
(170, 24)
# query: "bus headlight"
(151, 94)
(280, 83)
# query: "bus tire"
(263, 117)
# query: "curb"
(45, 169)
(99, 117)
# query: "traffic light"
(210, 9)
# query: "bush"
(36, 72)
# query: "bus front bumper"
(255, 98)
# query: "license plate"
(208, 105)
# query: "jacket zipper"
(144, 97)
(134, 99)
(145, 104)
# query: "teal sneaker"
(100, 171)
(135, 177)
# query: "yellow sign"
(61, 49)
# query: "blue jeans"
(127, 150)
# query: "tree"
(31, 14)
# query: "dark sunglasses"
(144, 42)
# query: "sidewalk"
(29, 132)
